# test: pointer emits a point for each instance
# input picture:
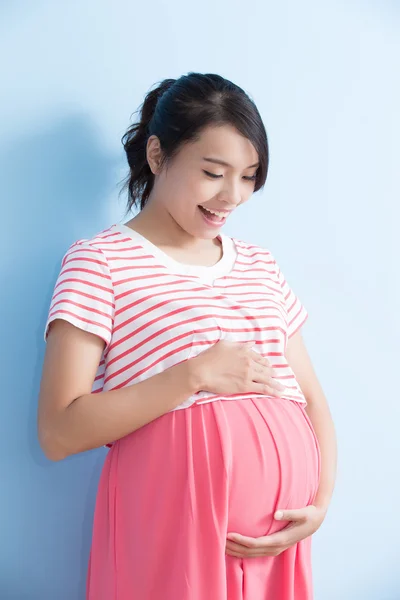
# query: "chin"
(204, 233)
(207, 234)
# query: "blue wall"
(325, 78)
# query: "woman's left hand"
(304, 522)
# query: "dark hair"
(176, 111)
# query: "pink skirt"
(171, 491)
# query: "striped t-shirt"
(153, 312)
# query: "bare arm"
(320, 416)
(71, 419)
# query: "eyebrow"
(225, 164)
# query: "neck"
(157, 225)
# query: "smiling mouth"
(217, 215)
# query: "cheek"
(201, 188)
(176, 195)
(193, 193)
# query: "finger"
(266, 375)
(243, 540)
(238, 549)
(235, 555)
(259, 359)
(286, 537)
(262, 373)
(257, 553)
(295, 514)
(271, 382)
(266, 385)
(247, 553)
(256, 546)
(265, 545)
(274, 383)
(249, 345)
(252, 553)
(234, 547)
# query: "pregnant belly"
(171, 491)
(225, 464)
(274, 462)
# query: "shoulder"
(255, 253)
(251, 248)
(98, 240)
(98, 245)
(88, 257)
(84, 291)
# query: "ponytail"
(141, 179)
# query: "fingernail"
(278, 514)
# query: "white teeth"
(219, 214)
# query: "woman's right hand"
(234, 368)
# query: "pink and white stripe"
(151, 317)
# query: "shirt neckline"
(217, 271)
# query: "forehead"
(226, 143)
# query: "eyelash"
(213, 176)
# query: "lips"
(212, 219)
(222, 214)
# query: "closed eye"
(214, 176)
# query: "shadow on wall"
(55, 184)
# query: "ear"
(154, 154)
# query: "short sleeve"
(83, 294)
(297, 313)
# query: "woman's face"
(205, 181)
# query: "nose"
(232, 193)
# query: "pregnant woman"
(180, 349)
